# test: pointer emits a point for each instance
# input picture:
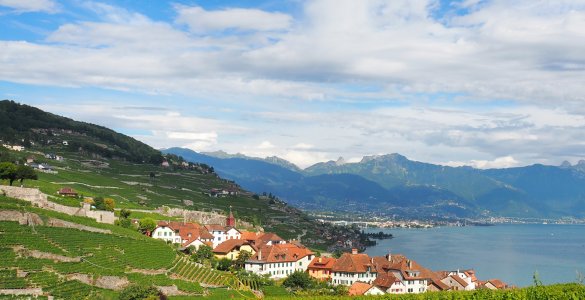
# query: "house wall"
(415, 286)
(347, 278)
(374, 291)
(166, 234)
(278, 270)
(320, 274)
(396, 288)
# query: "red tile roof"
(281, 253)
(500, 285)
(353, 263)
(322, 263)
(359, 288)
(230, 245)
(189, 232)
(386, 280)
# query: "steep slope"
(25, 125)
(112, 171)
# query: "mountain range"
(393, 184)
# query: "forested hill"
(26, 126)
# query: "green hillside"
(29, 126)
(131, 182)
(83, 259)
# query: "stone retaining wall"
(39, 199)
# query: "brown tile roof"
(359, 288)
(322, 263)
(500, 285)
(281, 253)
(439, 285)
(459, 280)
(353, 263)
(385, 280)
(229, 245)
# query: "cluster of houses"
(223, 192)
(42, 167)
(13, 147)
(364, 275)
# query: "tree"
(242, 258)
(104, 204)
(124, 220)
(124, 213)
(146, 225)
(299, 279)
(109, 204)
(8, 171)
(137, 292)
(203, 253)
(224, 264)
(25, 172)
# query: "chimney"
(354, 251)
(409, 263)
(320, 259)
(260, 254)
(389, 255)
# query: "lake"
(508, 252)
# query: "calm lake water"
(509, 252)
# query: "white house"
(390, 284)
(221, 233)
(459, 280)
(353, 267)
(166, 233)
(185, 234)
(413, 276)
(280, 260)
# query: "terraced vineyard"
(191, 271)
(54, 259)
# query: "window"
(410, 290)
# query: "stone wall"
(201, 217)
(22, 292)
(39, 199)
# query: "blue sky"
(480, 83)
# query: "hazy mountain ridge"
(394, 182)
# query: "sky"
(489, 84)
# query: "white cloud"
(266, 145)
(21, 6)
(345, 78)
(200, 20)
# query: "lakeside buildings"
(272, 256)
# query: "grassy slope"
(130, 184)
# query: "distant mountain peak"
(393, 156)
(581, 163)
(566, 164)
(340, 161)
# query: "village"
(266, 254)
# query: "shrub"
(137, 292)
